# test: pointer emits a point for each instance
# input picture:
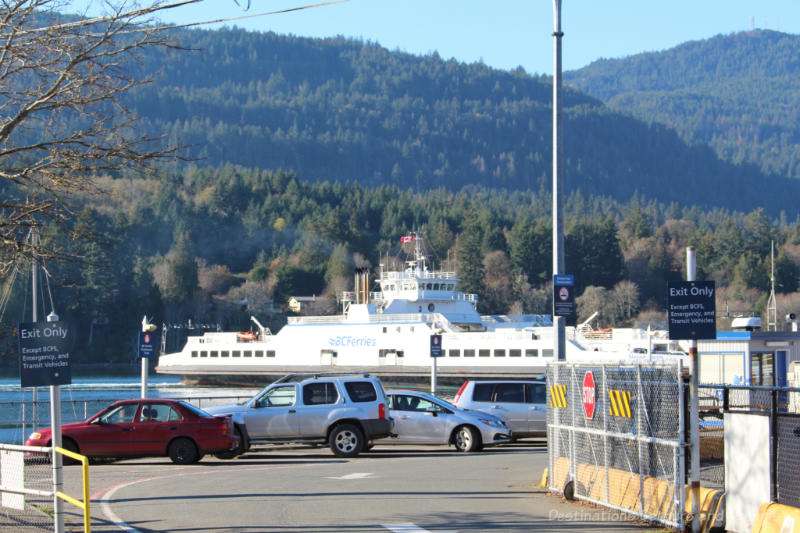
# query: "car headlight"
(35, 436)
(492, 422)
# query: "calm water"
(86, 396)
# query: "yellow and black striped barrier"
(558, 396)
(620, 403)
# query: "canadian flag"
(407, 238)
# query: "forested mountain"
(738, 94)
(313, 157)
(343, 110)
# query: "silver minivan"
(521, 403)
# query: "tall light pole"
(558, 219)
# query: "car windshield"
(446, 404)
(121, 414)
(407, 402)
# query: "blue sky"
(509, 33)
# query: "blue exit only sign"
(691, 310)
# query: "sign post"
(692, 314)
(436, 352)
(44, 360)
(146, 350)
(589, 394)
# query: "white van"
(521, 403)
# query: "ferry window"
(259, 353)
(400, 353)
(214, 353)
(225, 353)
(270, 353)
(411, 329)
(248, 353)
(320, 393)
(361, 391)
(436, 286)
(547, 352)
(203, 353)
(469, 353)
(384, 329)
(237, 353)
(515, 353)
(532, 353)
(454, 353)
(194, 353)
(429, 286)
(499, 353)
(483, 353)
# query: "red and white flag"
(407, 238)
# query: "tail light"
(458, 394)
(382, 410)
(225, 426)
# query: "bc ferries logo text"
(347, 340)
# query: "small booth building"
(750, 356)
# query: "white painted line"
(354, 475)
(104, 495)
(111, 515)
(409, 528)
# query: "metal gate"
(615, 437)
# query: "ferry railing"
(24, 414)
(419, 274)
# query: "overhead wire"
(151, 10)
(254, 15)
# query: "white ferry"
(388, 333)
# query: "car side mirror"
(432, 410)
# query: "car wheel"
(346, 440)
(239, 450)
(71, 445)
(182, 451)
(467, 439)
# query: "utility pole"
(559, 322)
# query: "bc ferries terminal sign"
(692, 310)
(44, 354)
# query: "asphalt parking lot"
(303, 489)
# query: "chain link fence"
(782, 405)
(615, 437)
(787, 468)
(26, 488)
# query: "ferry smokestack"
(362, 286)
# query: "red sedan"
(146, 427)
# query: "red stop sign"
(588, 394)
